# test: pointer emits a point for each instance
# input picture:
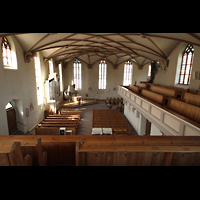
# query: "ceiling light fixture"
(144, 36)
(98, 37)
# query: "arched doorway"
(11, 118)
(13, 109)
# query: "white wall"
(154, 131)
(137, 120)
(90, 78)
(19, 85)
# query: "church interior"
(100, 99)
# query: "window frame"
(51, 70)
(102, 75)
(128, 73)
(60, 74)
(184, 66)
(38, 81)
(77, 73)
(6, 52)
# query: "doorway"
(11, 118)
(14, 111)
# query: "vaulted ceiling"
(114, 47)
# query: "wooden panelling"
(110, 150)
(139, 159)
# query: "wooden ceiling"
(116, 48)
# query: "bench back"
(190, 111)
(52, 130)
(141, 85)
(158, 98)
(164, 91)
(192, 99)
(133, 88)
(16, 156)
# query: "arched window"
(6, 52)
(128, 68)
(77, 75)
(186, 65)
(102, 74)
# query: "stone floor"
(85, 126)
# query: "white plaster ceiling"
(114, 47)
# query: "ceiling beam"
(48, 34)
(171, 38)
(193, 35)
(10, 34)
(122, 35)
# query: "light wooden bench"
(193, 99)
(133, 88)
(164, 91)
(52, 130)
(158, 98)
(190, 111)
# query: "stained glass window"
(6, 52)
(186, 65)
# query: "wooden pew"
(52, 130)
(41, 156)
(70, 116)
(110, 119)
(133, 88)
(61, 120)
(180, 91)
(197, 92)
(193, 99)
(158, 98)
(141, 85)
(16, 156)
(190, 111)
(164, 91)
(73, 123)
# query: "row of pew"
(114, 101)
(103, 118)
(68, 118)
(16, 154)
(179, 100)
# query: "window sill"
(9, 67)
(182, 86)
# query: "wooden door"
(11, 118)
(148, 128)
